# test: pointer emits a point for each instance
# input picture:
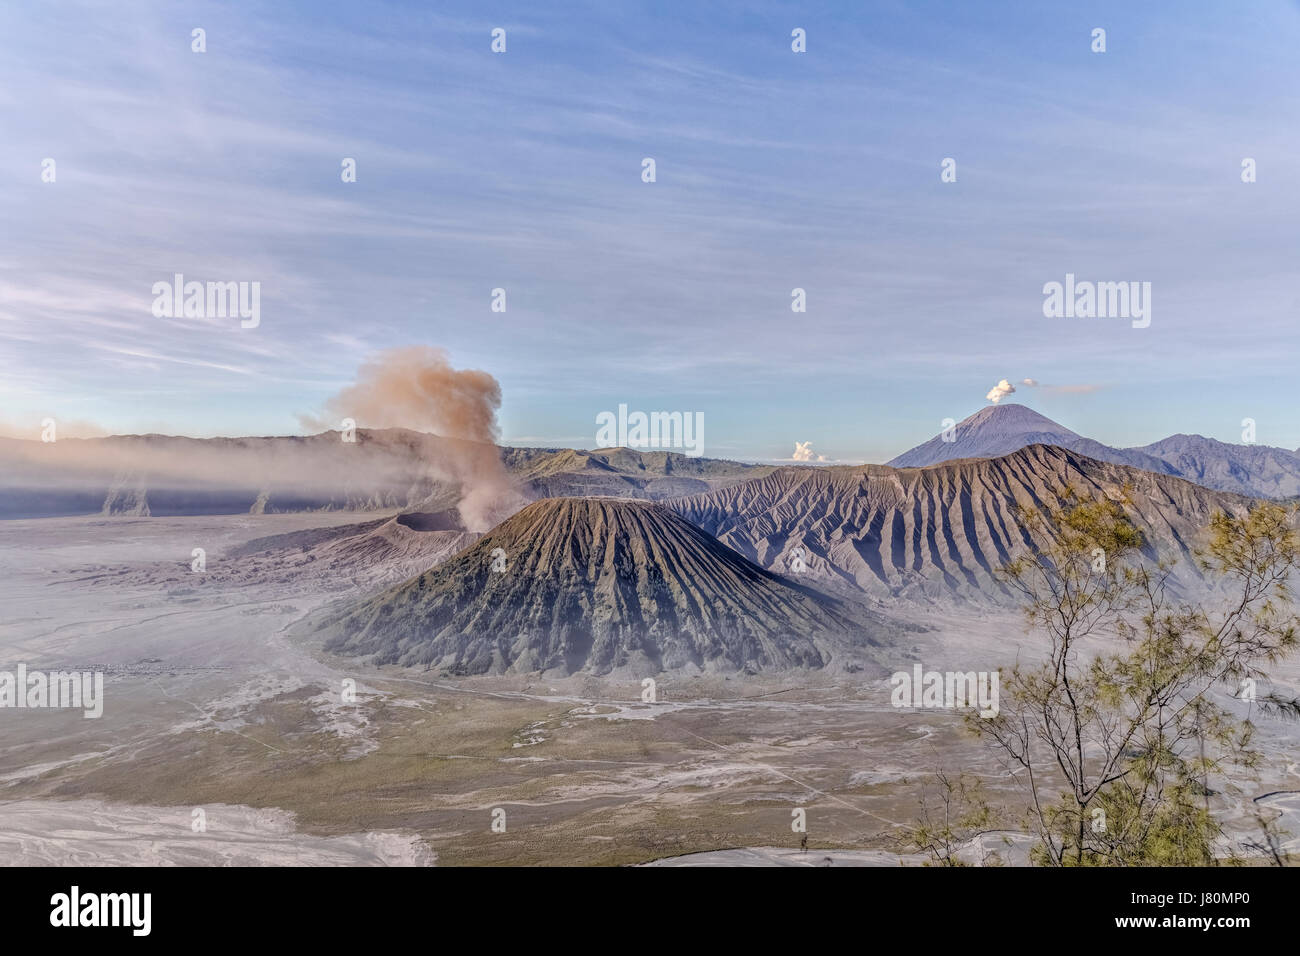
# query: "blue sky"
(775, 170)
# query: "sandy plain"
(218, 700)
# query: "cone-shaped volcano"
(596, 584)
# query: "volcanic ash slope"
(602, 584)
(940, 532)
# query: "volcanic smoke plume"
(415, 387)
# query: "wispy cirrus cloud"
(521, 171)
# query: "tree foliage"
(1116, 733)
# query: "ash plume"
(416, 387)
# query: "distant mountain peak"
(998, 430)
(990, 433)
(1014, 417)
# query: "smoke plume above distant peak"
(1000, 391)
(1004, 388)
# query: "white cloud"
(1000, 391)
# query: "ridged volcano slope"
(599, 584)
(939, 531)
